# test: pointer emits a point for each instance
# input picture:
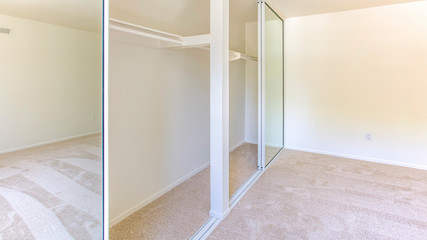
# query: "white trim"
(47, 142)
(106, 90)
(204, 232)
(158, 194)
(237, 145)
(220, 215)
(359, 158)
(261, 85)
(219, 108)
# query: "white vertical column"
(105, 127)
(261, 84)
(219, 104)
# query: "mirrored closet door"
(272, 84)
(243, 93)
(256, 90)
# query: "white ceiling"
(184, 17)
(80, 14)
(190, 17)
(297, 8)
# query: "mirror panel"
(274, 89)
(243, 93)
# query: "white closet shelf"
(169, 40)
(233, 56)
(164, 39)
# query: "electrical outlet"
(92, 117)
(368, 136)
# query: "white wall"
(273, 80)
(159, 122)
(50, 83)
(251, 85)
(236, 82)
(240, 75)
(251, 99)
(237, 104)
(356, 72)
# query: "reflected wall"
(274, 92)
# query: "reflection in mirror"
(243, 93)
(273, 84)
(51, 120)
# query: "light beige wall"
(357, 72)
(273, 80)
(240, 16)
(236, 80)
(159, 122)
(251, 102)
(240, 13)
(237, 104)
(251, 85)
(50, 83)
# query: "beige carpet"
(53, 191)
(243, 164)
(178, 214)
(311, 196)
(301, 196)
(270, 153)
(182, 211)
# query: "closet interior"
(163, 108)
(159, 116)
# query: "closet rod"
(247, 57)
(234, 55)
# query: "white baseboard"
(274, 145)
(47, 142)
(360, 158)
(251, 141)
(267, 144)
(237, 145)
(158, 194)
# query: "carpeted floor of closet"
(182, 211)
